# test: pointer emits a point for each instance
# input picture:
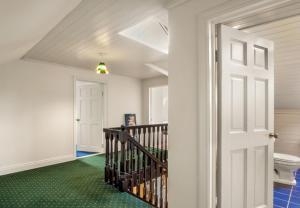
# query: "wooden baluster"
(127, 157)
(111, 158)
(107, 157)
(131, 158)
(123, 185)
(129, 131)
(116, 160)
(153, 141)
(145, 176)
(148, 179)
(144, 137)
(144, 143)
(157, 143)
(156, 188)
(133, 132)
(161, 187)
(138, 171)
(166, 190)
(151, 181)
(141, 180)
(149, 137)
(139, 135)
(134, 135)
(162, 143)
(122, 163)
(166, 143)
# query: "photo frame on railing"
(130, 119)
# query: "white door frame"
(104, 107)
(207, 117)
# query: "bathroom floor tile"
(283, 191)
(292, 205)
(287, 196)
(281, 196)
(295, 200)
(296, 193)
(279, 202)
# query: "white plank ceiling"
(286, 8)
(286, 36)
(92, 29)
(25, 23)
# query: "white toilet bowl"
(285, 167)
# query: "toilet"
(285, 167)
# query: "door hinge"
(216, 56)
(102, 94)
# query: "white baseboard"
(35, 164)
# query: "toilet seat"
(286, 159)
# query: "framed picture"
(130, 119)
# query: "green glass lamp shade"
(102, 69)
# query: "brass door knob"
(273, 135)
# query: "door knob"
(78, 119)
(273, 135)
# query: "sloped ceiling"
(24, 23)
(286, 36)
(90, 33)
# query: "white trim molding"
(35, 164)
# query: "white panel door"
(89, 118)
(246, 118)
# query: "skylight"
(150, 32)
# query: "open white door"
(89, 117)
(246, 118)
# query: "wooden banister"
(136, 161)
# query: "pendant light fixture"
(101, 67)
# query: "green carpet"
(73, 184)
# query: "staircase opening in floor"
(137, 161)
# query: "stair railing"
(153, 137)
(133, 166)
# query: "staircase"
(137, 162)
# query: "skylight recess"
(150, 32)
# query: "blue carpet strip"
(82, 153)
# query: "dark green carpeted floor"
(74, 184)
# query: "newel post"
(123, 184)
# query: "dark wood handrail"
(140, 147)
(139, 126)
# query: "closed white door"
(246, 120)
(89, 117)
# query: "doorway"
(238, 20)
(89, 114)
(158, 105)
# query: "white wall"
(184, 106)
(287, 125)
(146, 85)
(36, 108)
